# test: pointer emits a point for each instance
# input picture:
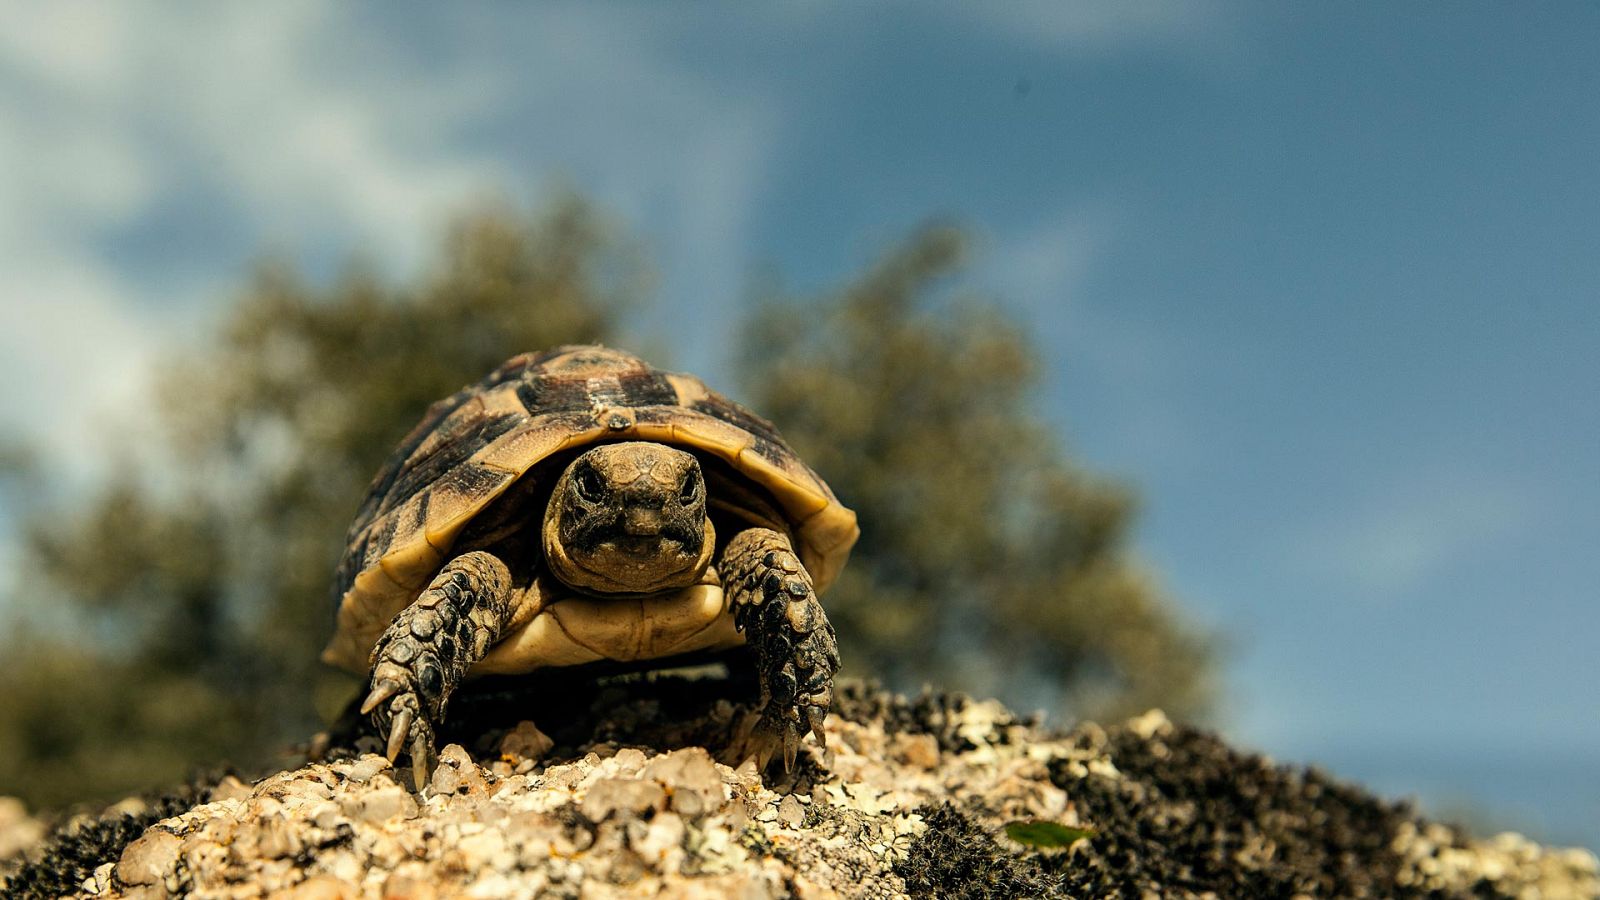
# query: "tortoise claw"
(791, 746)
(381, 691)
(763, 739)
(421, 763)
(765, 748)
(398, 732)
(815, 716)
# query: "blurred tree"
(187, 605)
(987, 560)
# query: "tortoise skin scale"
(473, 446)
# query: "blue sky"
(1320, 279)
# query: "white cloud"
(109, 111)
(265, 101)
(1393, 542)
(1101, 25)
(681, 157)
(81, 349)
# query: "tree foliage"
(987, 559)
(176, 616)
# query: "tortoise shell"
(471, 447)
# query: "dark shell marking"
(471, 447)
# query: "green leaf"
(1046, 835)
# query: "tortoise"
(579, 506)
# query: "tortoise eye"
(590, 485)
(691, 487)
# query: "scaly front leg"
(796, 652)
(422, 657)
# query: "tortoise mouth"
(638, 563)
(623, 563)
(649, 546)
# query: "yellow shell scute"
(714, 436)
(828, 535)
(412, 564)
(801, 500)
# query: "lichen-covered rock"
(151, 859)
(910, 799)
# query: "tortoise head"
(629, 518)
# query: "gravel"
(910, 798)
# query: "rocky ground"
(910, 798)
